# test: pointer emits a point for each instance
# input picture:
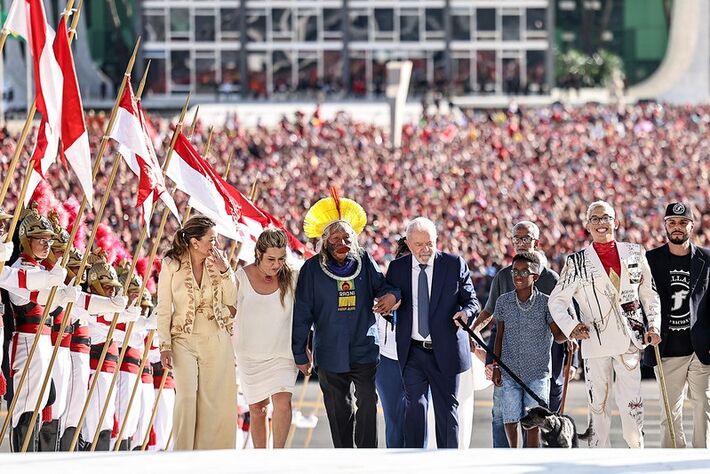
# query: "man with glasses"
(681, 271)
(612, 283)
(526, 235)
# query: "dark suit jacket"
(451, 291)
(658, 260)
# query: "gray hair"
(530, 226)
(421, 224)
(596, 205)
(328, 231)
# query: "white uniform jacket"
(615, 317)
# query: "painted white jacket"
(615, 317)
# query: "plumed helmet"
(101, 273)
(74, 263)
(147, 300)
(122, 269)
(35, 225)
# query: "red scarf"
(609, 255)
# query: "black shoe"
(49, 436)
(104, 442)
(20, 431)
(65, 440)
(124, 445)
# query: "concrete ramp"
(684, 74)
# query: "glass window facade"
(292, 48)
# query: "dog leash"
(522, 384)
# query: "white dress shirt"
(415, 294)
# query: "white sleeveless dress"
(262, 341)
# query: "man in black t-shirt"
(681, 271)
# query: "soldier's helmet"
(34, 225)
(101, 273)
(124, 266)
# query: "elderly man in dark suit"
(437, 296)
(681, 271)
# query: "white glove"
(130, 315)
(68, 294)
(119, 303)
(6, 249)
(152, 323)
(56, 276)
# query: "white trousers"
(164, 419)
(29, 393)
(622, 374)
(96, 405)
(77, 390)
(126, 381)
(61, 376)
(686, 376)
(145, 399)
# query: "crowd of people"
(474, 175)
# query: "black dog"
(557, 431)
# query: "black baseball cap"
(678, 209)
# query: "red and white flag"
(136, 147)
(208, 192)
(57, 91)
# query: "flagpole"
(154, 412)
(194, 122)
(89, 244)
(114, 322)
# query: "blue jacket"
(451, 291)
(340, 338)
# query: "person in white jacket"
(612, 283)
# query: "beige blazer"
(176, 298)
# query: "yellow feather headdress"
(333, 209)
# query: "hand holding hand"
(384, 304)
(497, 380)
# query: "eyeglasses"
(43, 241)
(525, 240)
(605, 219)
(523, 273)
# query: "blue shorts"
(516, 401)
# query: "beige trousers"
(686, 375)
(205, 415)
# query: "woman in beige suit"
(195, 288)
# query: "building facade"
(282, 49)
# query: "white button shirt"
(415, 294)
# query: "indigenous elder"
(681, 271)
(612, 284)
(338, 291)
(195, 288)
(262, 334)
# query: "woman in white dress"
(262, 337)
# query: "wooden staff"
(299, 405)
(567, 369)
(155, 410)
(89, 245)
(170, 438)
(136, 254)
(138, 382)
(309, 434)
(664, 393)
